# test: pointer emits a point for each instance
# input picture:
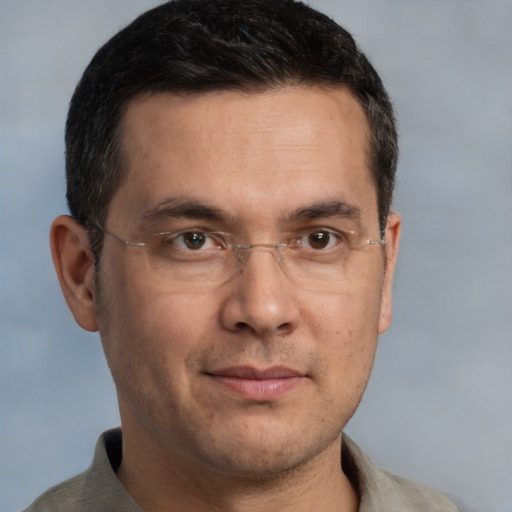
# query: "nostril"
(282, 329)
(244, 327)
(285, 328)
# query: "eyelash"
(296, 239)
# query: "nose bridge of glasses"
(242, 251)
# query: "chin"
(260, 467)
(267, 459)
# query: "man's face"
(260, 372)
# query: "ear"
(393, 231)
(74, 264)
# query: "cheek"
(345, 327)
(148, 340)
(351, 311)
(162, 322)
(143, 324)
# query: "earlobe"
(74, 264)
(393, 231)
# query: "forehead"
(249, 154)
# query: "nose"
(260, 299)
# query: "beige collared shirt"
(98, 489)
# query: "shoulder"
(418, 496)
(66, 497)
(380, 490)
(96, 489)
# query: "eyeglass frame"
(240, 249)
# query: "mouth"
(260, 385)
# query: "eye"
(318, 240)
(194, 241)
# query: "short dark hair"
(194, 46)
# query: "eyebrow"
(181, 208)
(323, 210)
(175, 208)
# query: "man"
(230, 170)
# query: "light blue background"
(439, 405)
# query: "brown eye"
(320, 239)
(193, 240)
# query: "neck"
(158, 482)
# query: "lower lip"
(259, 389)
